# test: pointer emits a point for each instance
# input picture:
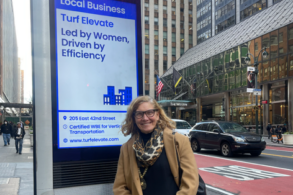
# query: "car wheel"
(195, 145)
(255, 153)
(226, 149)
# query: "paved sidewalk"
(270, 143)
(16, 171)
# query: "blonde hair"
(130, 128)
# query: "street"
(270, 173)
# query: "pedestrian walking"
(6, 130)
(18, 135)
(284, 129)
(150, 159)
(269, 127)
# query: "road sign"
(250, 69)
(264, 102)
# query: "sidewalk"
(270, 143)
(16, 171)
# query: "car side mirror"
(217, 131)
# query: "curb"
(284, 146)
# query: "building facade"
(169, 29)
(215, 70)
(9, 66)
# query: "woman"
(148, 162)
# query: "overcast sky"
(21, 10)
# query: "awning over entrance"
(178, 103)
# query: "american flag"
(159, 86)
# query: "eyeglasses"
(149, 113)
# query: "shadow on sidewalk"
(16, 171)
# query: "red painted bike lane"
(244, 178)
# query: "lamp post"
(248, 61)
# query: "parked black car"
(227, 137)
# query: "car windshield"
(182, 125)
(232, 128)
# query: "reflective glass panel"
(221, 63)
(265, 44)
(274, 69)
(244, 77)
(266, 71)
(258, 47)
(283, 40)
(232, 80)
(238, 78)
(283, 67)
(290, 65)
(260, 73)
(226, 82)
(290, 37)
(273, 44)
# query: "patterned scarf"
(148, 154)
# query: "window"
(181, 51)
(190, 39)
(146, 6)
(190, 13)
(182, 37)
(156, 33)
(173, 23)
(146, 49)
(165, 36)
(204, 10)
(226, 24)
(226, 9)
(243, 1)
(204, 23)
(276, 1)
(181, 24)
(218, 2)
(165, 22)
(204, 127)
(156, 8)
(253, 9)
(165, 66)
(146, 19)
(213, 126)
(156, 21)
(190, 26)
(165, 51)
(204, 36)
(200, 1)
(173, 11)
(165, 9)
(283, 41)
(173, 51)
(156, 50)
(173, 37)
(146, 33)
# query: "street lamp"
(247, 60)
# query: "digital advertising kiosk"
(87, 68)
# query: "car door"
(197, 134)
(203, 131)
(212, 137)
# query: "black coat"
(15, 132)
(7, 129)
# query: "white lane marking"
(279, 150)
(219, 190)
(245, 162)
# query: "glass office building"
(216, 71)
